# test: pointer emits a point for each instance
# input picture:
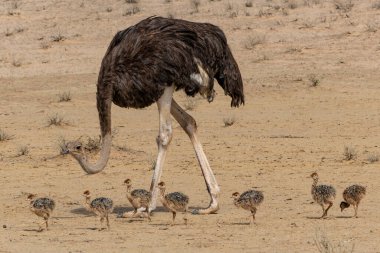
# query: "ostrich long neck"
(314, 185)
(87, 202)
(129, 196)
(102, 162)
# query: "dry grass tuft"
(343, 5)
(314, 81)
(132, 11)
(229, 121)
(57, 38)
(253, 41)
(55, 120)
(372, 158)
(23, 150)
(324, 244)
(64, 96)
(349, 153)
(4, 136)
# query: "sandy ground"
(286, 130)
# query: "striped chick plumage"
(322, 194)
(249, 200)
(174, 202)
(352, 196)
(42, 207)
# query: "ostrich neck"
(314, 185)
(102, 161)
(129, 196)
(87, 204)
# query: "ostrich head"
(74, 148)
(161, 185)
(87, 194)
(314, 176)
(235, 195)
(343, 205)
(31, 196)
(128, 182)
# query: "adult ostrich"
(146, 63)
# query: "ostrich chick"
(174, 202)
(42, 207)
(322, 194)
(249, 200)
(138, 198)
(352, 196)
(100, 206)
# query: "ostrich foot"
(132, 214)
(213, 208)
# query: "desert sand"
(311, 76)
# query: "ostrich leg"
(163, 140)
(190, 127)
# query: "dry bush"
(16, 63)
(57, 38)
(324, 244)
(4, 136)
(314, 81)
(8, 32)
(292, 5)
(229, 121)
(376, 5)
(195, 5)
(131, 11)
(64, 96)
(372, 158)
(23, 150)
(248, 3)
(45, 45)
(253, 41)
(55, 120)
(349, 153)
(109, 9)
(343, 5)
(131, 1)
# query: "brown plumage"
(352, 196)
(138, 198)
(102, 207)
(174, 202)
(249, 200)
(145, 64)
(42, 207)
(322, 194)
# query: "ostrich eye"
(78, 147)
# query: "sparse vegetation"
(195, 5)
(229, 121)
(16, 63)
(248, 3)
(57, 38)
(372, 158)
(109, 9)
(292, 5)
(324, 244)
(313, 80)
(132, 11)
(376, 5)
(4, 136)
(55, 120)
(45, 45)
(64, 96)
(343, 5)
(349, 153)
(8, 32)
(131, 1)
(253, 41)
(23, 150)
